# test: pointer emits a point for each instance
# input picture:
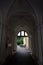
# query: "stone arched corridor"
(17, 22)
(13, 25)
(20, 16)
(12, 28)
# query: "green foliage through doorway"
(19, 41)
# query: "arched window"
(22, 33)
(22, 38)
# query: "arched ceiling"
(37, 4)
(28, 5)
(19, 12)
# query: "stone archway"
(19, 28)
(21, 18)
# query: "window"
(26, 34)
(19, 34)
(23, 34)
(22, 39)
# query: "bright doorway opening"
(23, 40)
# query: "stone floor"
(20, 57)
(23, 50)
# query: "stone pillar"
(41, 33)
(40, 41)
(0, 35)
(2, 40)
(30, 43)
(26, 42)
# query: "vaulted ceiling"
(37, 4)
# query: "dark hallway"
(20, 59)
(21, 23)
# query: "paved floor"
(22, 50)
(21, 57)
